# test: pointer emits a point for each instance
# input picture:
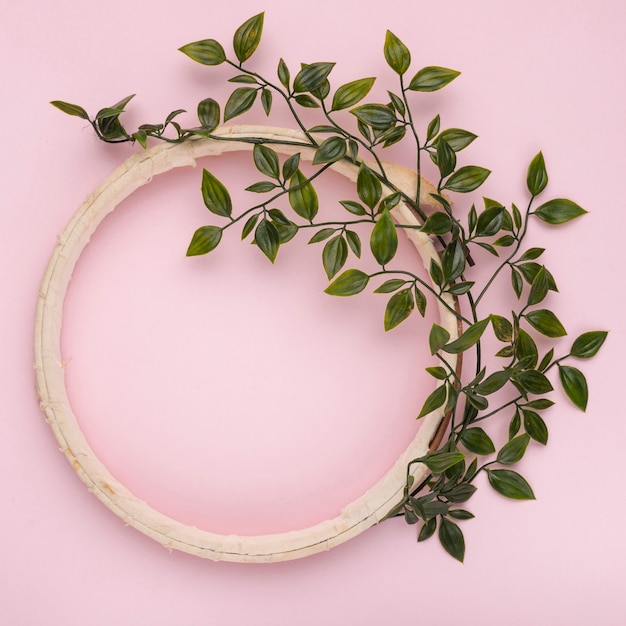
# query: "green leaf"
(266, 160)
(540, 404)
(533, 382)
(493, 382)
(526, 348)
(470, 337)
(559, 211)
(502, 328)
(457, 138)
(390, 285)
(249, 225)
(266, 100)
(205, 239)
(438, 338)
(461, 493)
(451, 538)
(476, 440)
(215, 195)
(240, 101)
(378, 116)
(302, 196)
(467, 179)
(514, 450)
(535, 427)
(460, 514)
(539, 288)
(399, 307)
(587, 345)
(397, 103)
(446, 158)
(489, 221)
(209, 114)
(432, 78)
(397, 54)
(304, 100)
(290, 166)
(537, 177)
(349, 283)
(437, 372)
(574, 385)
(70, 109)
(438, 223)
(322, 235)
(247, 37)
(517, 282)
(546, 323)
(434, 401)
(207, 52)
(384, 239)
(510, 484)
(515, 425)
(453, 261)
(369, 188)
(267, 238)
(353, 207)
(331, 150)
(438, 462)
(141, 137)
(334, 255)
(428, 529)
(311, 76)
(433, 127)
(262, 186)
(461, 288)
(283, 74)
(244, 78)
(349, 94)
(354, 241)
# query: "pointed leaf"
(349, 94)
(209, 114)
(207, 52)
(349, 283)
(451, 538)
(510, 484)
(331, 150)
(467, 179)
(559, 211)
(205, 239)
(587, 345)
(240, 101)
(514, 450)
(384, 239)
(70, 109)
(266, 160)
(399, 307)
(434, 401)
(457, 138)
(546, 323)
(311, 76)
(432, 78)
(537, 177)
(334, 255)
(575, 385)
(469, 338)
(476, 440)
(438, 338)
(302, 196)
(397, 54)
(247, 37)
(215, 195)
(378, 116)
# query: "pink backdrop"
(236, 397)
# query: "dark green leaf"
(240, 101)
(397, 54)
(290, 166)
(533, 382)
(390, 285)
(247, 37)
(470, 337)
(354, 241)
(353, 207)
(467, 179)
(209, 114)
(349, 94)
(378, 116)
(476, 440)
(283, 74)
(304, 100)
(249, 225)
(302, 196)
(517, 282)
(559, 211)
(446, 158)
(461, 493)
(537, 177)
(438, 338)
(515, 425)
(205, 239)
(461, 288)
(331, 150)
(502, 328)
(267, 238)
(262, 186)
(246, 79)
(322, 235)
(510, 484)
(398, 308)
(489, 222)
(493, 382)
(587, 345)
(311, 76)
(349, 283)
(215, 195)
(433, 127)
(453, 261)
(514, 450)
(279, 217)
(539, 288)
(394, 136)
(535, 427)
(286, 232)
(428, 529)
(451, 538)
(575, 385)
(397, 103)
(437, 372)
(434, 401)
(266, 160)
(368, 186)
(266, 100)
(540, 404)
(334, 255)
(384, 239)
(460, 514)
(70, 109)
(526, 348)
(438, 462)
(438, 223)
(545, 322)
(457, 138)
(207, 52)
(432, 78)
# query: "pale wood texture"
(138, 170)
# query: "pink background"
(236, 397)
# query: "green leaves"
(267, 238)
(311, 76)
(510, 484)
(396, 53)
(432, 78)
(205, 239)
(469, 338)
(546, 322)
(349, 94)
(349, 283)
(587, 345)
(575, 385)
(378, 116)
(476, 440)
(240, 101)
(537, 177)
(302, 196)
(558, 211)
(334, 255)
(467, 179)
(70, 109)
(215, 195)
(399, 307)
(266, 161)
(331, 150)
(451, 538)
(384, 239)
(247, 37)
(206, 52)
(209, 114)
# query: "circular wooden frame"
(138, 170)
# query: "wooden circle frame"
(138, 170)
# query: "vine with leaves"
(518, 369)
